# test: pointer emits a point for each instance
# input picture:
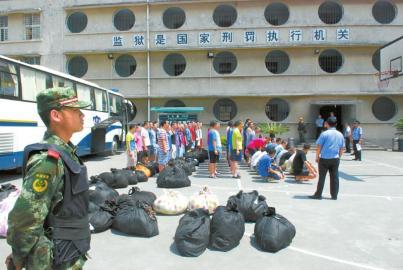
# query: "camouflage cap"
(57, 98)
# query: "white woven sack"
(204, 199)
(171, 203)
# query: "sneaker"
(315, 197)
(212, 176)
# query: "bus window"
(8, 80)
(84, 93)
(60, 82)
(28, 84)
(49, 81)
(100, 100)
(115, 103)
(42, 81)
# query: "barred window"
(384, 12)
(384, 108)
(77, 66)
(277, 14)
(277, 62)
(330, 61)
(174, 18)
(225, 63)
(174, 103)
(3, 28)
(277, 109)
(225, 15)
(174, 64)
(225, 109)
(77, 22)
(330, 12)
(124, 20)
(32, 24)
(376, 59)
(32, 60)
(125, 65)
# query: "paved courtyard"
(362, 230)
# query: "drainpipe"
(148, 64)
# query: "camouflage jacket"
(42, 190)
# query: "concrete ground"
(361, 230)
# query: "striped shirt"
(163, 140)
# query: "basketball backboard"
(391, 60)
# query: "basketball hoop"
(382, 79)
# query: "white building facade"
(272, 61)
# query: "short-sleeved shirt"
(298, 162)
(256, 157)
(214, 136)
(153, 137)
(236, 139)
(130, 143)
(357, 133)
(284, 157)
(229, 137)
(264, 165)
(330, 141)
(139, 141)
(319, 122)
(144, 133)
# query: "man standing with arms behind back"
(48, 226)
(330, 147)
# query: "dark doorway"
(337, 110)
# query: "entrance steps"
(367, 146)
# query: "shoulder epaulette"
(53, 154)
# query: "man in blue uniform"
(330, 147)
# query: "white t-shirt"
(256, 157)
(144, 133)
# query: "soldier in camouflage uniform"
(48, 226)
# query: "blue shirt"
(330, 141)
(319, 122)
(153, 137)
(263, 165)
(357, 133)
(229, 138)
(212, 137)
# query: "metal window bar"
(32, 26)
(385, 12)
(331, 13)
(3, 28)
(179, 68)
(331, 63)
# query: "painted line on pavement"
(327, 257)
(389, 198)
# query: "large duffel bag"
(193, 233)
(204, 199)
(99, 191)
(273, 232)
(171, 203)
(136, 195)
(247, 203)
(130, 175)
(173, 177)
(8, 196)
(102, 219)
(227, 228)
(144, 169)
(137, 220)
(141, 176)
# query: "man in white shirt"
(256, 157)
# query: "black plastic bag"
(92, 207)
(173, 177)
(100, 192)
(135, 195)
(130, 176)
(137, 220)
(153, 167)
(5, 190)
(107, 178)
(102, 219)
(245, 203)
(193, 233)
(141, 176)
(273, 232)
(227, 228)
(119, 179)
(184, 165)
(260, 207)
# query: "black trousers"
(357, 154)
(348, 148)
(301, 136)
(331, 165)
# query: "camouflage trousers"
(41, 258)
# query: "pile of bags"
(8, 196)
(225, 230)
(121, 178)
(200, 155)
(173, 176)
